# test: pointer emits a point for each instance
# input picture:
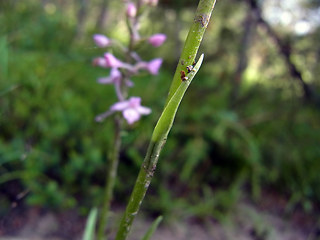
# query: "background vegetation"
(249, 123)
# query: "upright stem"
(122, 91)
(110, 179)
(192, 43)
(140, 188)
(159, 137)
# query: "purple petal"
(131, 10)
(131, 115)
(115, 73)
(140, 65)
(105, 80)
(120, 106)
(154, 66)
(101, 40)
(112, 61)
(143, 110)
(157, 40)
(115, 76)
(135, 102)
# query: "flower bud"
(157, 40)
(112, 61)
(101, 40)
(131, 10)
(154, 66)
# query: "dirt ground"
(247, 221)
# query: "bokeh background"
(248, 127)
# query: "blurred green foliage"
(218, 149)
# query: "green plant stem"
(149, 164)
(110, 180)
(192, 43)
(139, 190)
(164, 124)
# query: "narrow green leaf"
(166, 119)
(90, 225)
(152, 228)
(192, 43)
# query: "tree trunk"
(82, 14)
(100, 24)
(284, 50)
(248, 32)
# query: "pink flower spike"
(157, 40)
(112, 61)
(115, 76)
(131, 10)
(154, 66)
(101, 40)
(131, 109)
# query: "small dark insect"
(189, 68)
(183, 76)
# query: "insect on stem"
(183, 76)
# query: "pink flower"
(131, 109)
(112, 61)
(101, 40)
(157, 40)
(101, 62)
(154, 65)
(114, 78)
(131, 10)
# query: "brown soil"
(247, 221)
